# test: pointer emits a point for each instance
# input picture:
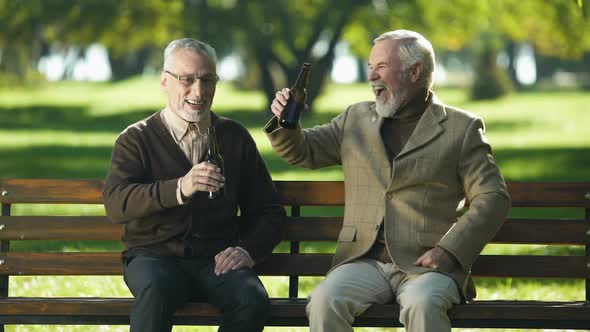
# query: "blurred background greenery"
(74, 74)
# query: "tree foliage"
(275, 37)
(278, 39)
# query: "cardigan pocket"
(347, 234)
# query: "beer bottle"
(214, 157)
(296, 103)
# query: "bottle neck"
(211, 141)
(302, 77)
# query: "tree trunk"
(268, 86)
(130, 64)
(512, 52)
(321, 67)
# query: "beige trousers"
(351, 288)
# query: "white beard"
(192, 116)
(390, 108)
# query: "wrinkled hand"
(280, 101)
(231, 258)
(437, 258)
(202, 177)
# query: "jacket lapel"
(428, 128)
(378, 157)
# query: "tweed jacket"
(446, 159)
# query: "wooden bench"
(290, 310)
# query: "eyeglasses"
(208, 80)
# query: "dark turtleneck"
(396, 132)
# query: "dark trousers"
(160, 285)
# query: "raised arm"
(310, 148)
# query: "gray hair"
(413, 48)
(189, 43)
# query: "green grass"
(66, 130)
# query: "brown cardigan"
(140, 192)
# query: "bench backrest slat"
(556, 194)
(543, 231)
(59, 228)
(51, 191)
(304, 193)
(522, 231)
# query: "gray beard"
(390, 108)
(197, 117)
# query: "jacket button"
(389, 196)
(386, 164)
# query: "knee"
(248, 308)
(158, 290)
(423, 304)
(323, 302)
(252, 297)
(422, 301)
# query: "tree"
(556, 27)
(22, 34)
(278, 38)
(275, 38)
(129, 30)
(132, 31)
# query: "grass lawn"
(66, 130)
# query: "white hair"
(188, 43)
(413, 48)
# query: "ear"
(416, 71)
(164, 81)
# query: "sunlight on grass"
(58, 210)
(69, 286)
(16, 139)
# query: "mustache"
(375, 83)
(198, 100)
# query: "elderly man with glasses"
(180, 245)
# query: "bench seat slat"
(293, 311)
(529, 231)
(18, 263)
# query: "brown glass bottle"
(214, 158)
(296, 103)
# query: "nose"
(198, 87)
(373, 75)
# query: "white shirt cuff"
(179, 194)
